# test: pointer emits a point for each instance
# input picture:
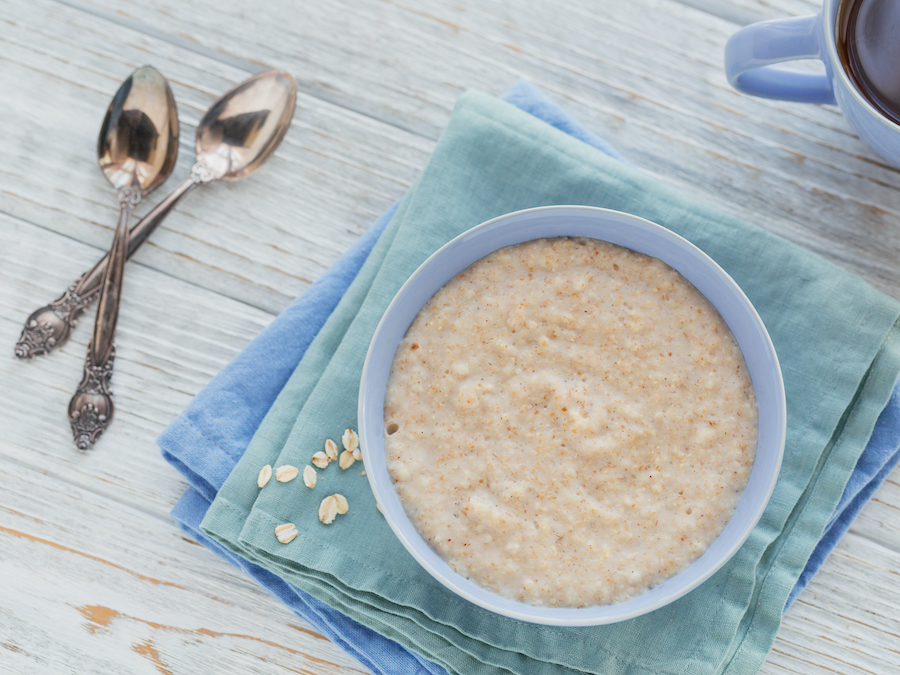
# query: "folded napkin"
(834, 335)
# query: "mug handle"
(751, 52)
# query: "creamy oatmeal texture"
(569, 423)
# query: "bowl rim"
(641, 233)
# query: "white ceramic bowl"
(633, 233)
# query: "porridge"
(569, 423)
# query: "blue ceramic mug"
(752, 56)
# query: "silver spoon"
(137, 149)
(235, 137)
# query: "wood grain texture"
(261, 240)
(119, 593)
(94, 576)
(743, 12)
(647, 73)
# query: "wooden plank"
(172, 338)
(845, 621)
(647, 73)
(92, 585)
(749, 11)
(96, 576)
(261, 240)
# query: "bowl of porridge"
(571, 416)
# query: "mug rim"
(828, 17)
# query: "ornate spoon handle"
(91, 408)
(49, 327)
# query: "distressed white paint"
(95, 576)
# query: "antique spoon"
(137, 149)
(236, 136)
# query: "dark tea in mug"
(868, 43)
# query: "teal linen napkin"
(836, 337)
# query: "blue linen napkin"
(881, 456)
(205, 442)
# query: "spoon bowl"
(138, 141)
(244, 127)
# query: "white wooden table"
(94, 576)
